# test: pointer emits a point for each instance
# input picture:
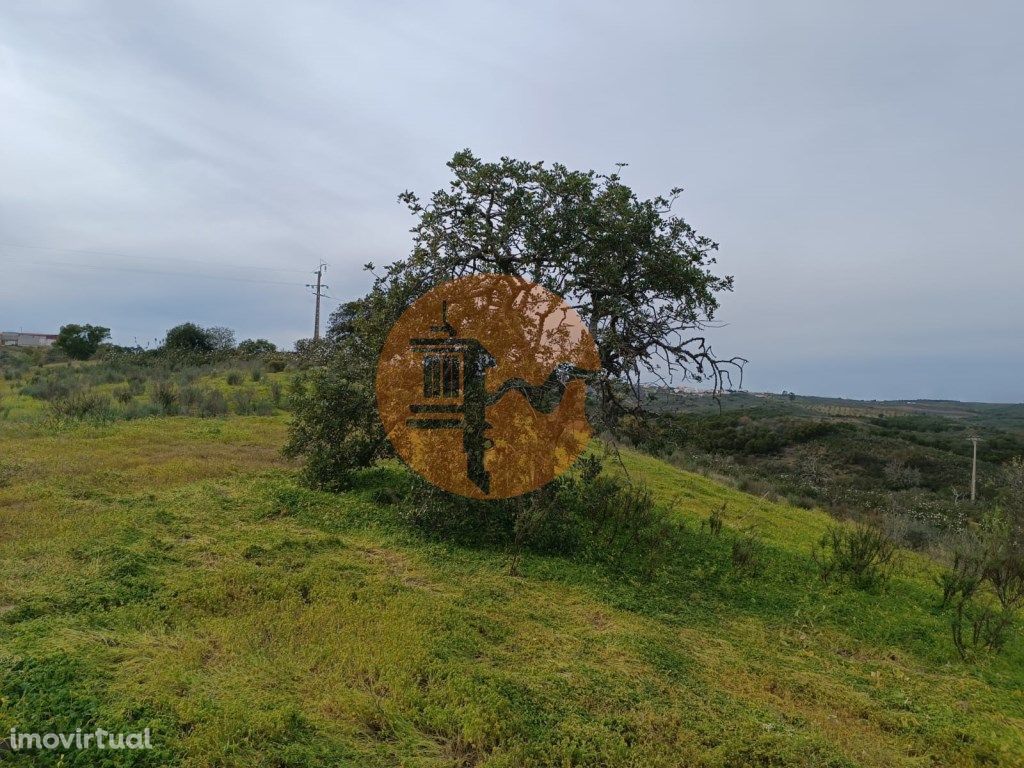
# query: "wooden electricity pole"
(974, 470)
(319, 288)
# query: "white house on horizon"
(21, 339)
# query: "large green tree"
(639, 275)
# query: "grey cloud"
(860, 164)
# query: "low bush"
(246, 403)
(136, 384)
(49, 388)
(90, 406)
(191, 398)
(214, 404)
(899, 475)
(747, 554)
(863, 554)
(984, 583)
(277, 363)
(586, 513)
(165, 395)
(714, 522)
(123, 395)
(276, 393)
(234, 378)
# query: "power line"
(154, 272)
(140, 256)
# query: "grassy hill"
(170, 572)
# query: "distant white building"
(19, 339)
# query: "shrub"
(589, 514)
(979, 621)
(191, 397)
(190, 338)
(861, 553)
(275, 393)
(83, 405)
(256, 374)
(137, 410)
(256, 347)
(335, 427)
(50, 388)
(911, 532)
(123, 395)
(747, 553)
(234, 378)
(963, 576)
(277, 363)
(214, 404)
(136, 384)
(247, 404)
(985, 583)
(978, 625)
(714, 521)
(166, 396)
(899, 475)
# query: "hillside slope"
(170, 573)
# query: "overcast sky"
(860, 164)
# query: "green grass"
(170, 573)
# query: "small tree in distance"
(221, 339)
(256, 347)
(188, 337)
(80, 342)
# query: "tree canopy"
(189, 337)
(80, 342)
(639, 275)
(256, 347)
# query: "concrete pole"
(974, 471)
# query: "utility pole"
(319, 288)
(974, 470)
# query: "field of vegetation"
(163, 567)
(909, 461)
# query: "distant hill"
(1006, 416)
(911, 458)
